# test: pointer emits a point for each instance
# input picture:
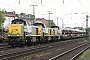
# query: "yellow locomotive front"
(16, 34)
(57, 32)
(34, 33)
(15, 29)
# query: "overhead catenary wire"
(88, 3)
(18, 7)
(14, 6)
(82, 6)
(63, 4)
(38, 13)
(47, 7)
(29, 10)
(41, 5)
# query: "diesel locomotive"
(20, 32)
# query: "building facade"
(27, 17)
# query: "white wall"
(8, 21)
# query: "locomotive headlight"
(26, 33)
(29, 33)
(17, 35)
(46, 34)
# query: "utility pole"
(19, 1)
(49, 12)
(33, 8)
(14, 15)
(33, 11)
(87, 27)
(41, 2)
(57, 21)
(62, 24)
(9, 21)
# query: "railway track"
(30, 50)
(14, 55)
(4, 46)
(78, 54)
(72, 53)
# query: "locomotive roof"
(18, 21)
(54, 27)
(36, 24)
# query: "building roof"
(10, 15)
(44, 21)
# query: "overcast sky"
(65, 11)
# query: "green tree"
(51, 23)
(2, 17)
(80, 28)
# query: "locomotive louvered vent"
(36, 31)
(50, 31)
(54, 32)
